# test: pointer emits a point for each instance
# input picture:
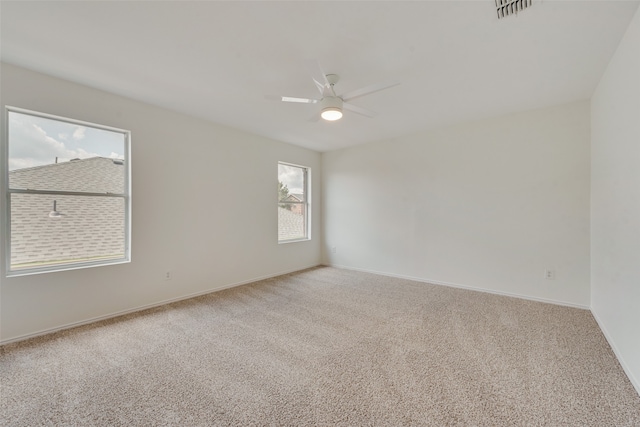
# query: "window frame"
(306, 204)
(7, 192)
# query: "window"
(68, 189)
(293, 202)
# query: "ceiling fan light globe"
(331, 114)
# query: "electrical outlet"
(167, 275)
(549, 274)
(333, 249)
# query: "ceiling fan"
(332, 104)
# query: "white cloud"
(292, 177)
(35, 147)
(45, 142)
(21, 164)
(78, 134)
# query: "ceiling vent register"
(511, 7)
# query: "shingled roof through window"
(290, 225)
(89, 227)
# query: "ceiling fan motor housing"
(331, 108)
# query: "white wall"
(204, 207)
(615, 202)
(488, 205)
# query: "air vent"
(118, 162)
(511, 7)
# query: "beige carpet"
(324, 347)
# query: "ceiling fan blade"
(358, 110)
(318, 75)
(292, 99)
(300, 100)
(367, 90)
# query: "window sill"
(59, 268)
(282, 242)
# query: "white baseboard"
(471, 288)
(145, 307)
(625, 367)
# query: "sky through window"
(42, 140)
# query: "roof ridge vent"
(511, 7)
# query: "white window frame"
(306, 204)
(7, 192)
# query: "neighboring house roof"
(295, 197)
(95, 175)
(90, 227)
(290, 225)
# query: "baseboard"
(146, 307)
(470, 288)
(625, 367)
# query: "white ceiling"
(218, 60)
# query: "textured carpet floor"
(324, 347)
